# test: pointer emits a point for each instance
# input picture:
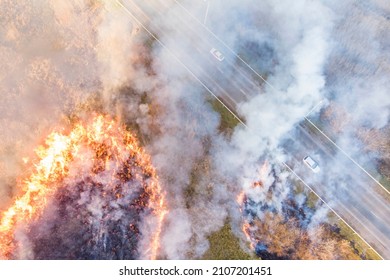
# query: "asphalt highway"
(353, 195)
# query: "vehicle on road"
(311, 163)
(217, 54)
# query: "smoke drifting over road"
(68, 59)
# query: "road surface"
(354, 196)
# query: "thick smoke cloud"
(78, 56)
(64, 58)
(301, 50)
(358, 81)
(47, 67)
(309, 41)
(58, 59)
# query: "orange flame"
(240, 199)
(259, 183)
(54, 163)
(263, 173)
(246, 230)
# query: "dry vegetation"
(378, 141)
(336, 116)
(286, 240)
(357, 243)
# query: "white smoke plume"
(47, 67)
(58, 57)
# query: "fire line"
(97, 148)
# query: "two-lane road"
(351, 193)
(347, 190)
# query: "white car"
(311, 163)
(217, 54)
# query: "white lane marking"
(229, 63)
(215, 36)
(177, 59)
(315, 107)
(368, 229)
(207, 12)
(135, 18)
(223, 43)
(347, 155)
(376, 216)
(244, 93)
(220, 70)
(296, 175)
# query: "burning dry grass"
(289, 231)
(92, 180)
(279, 238)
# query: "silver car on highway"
(311, 163)
(217, 54)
